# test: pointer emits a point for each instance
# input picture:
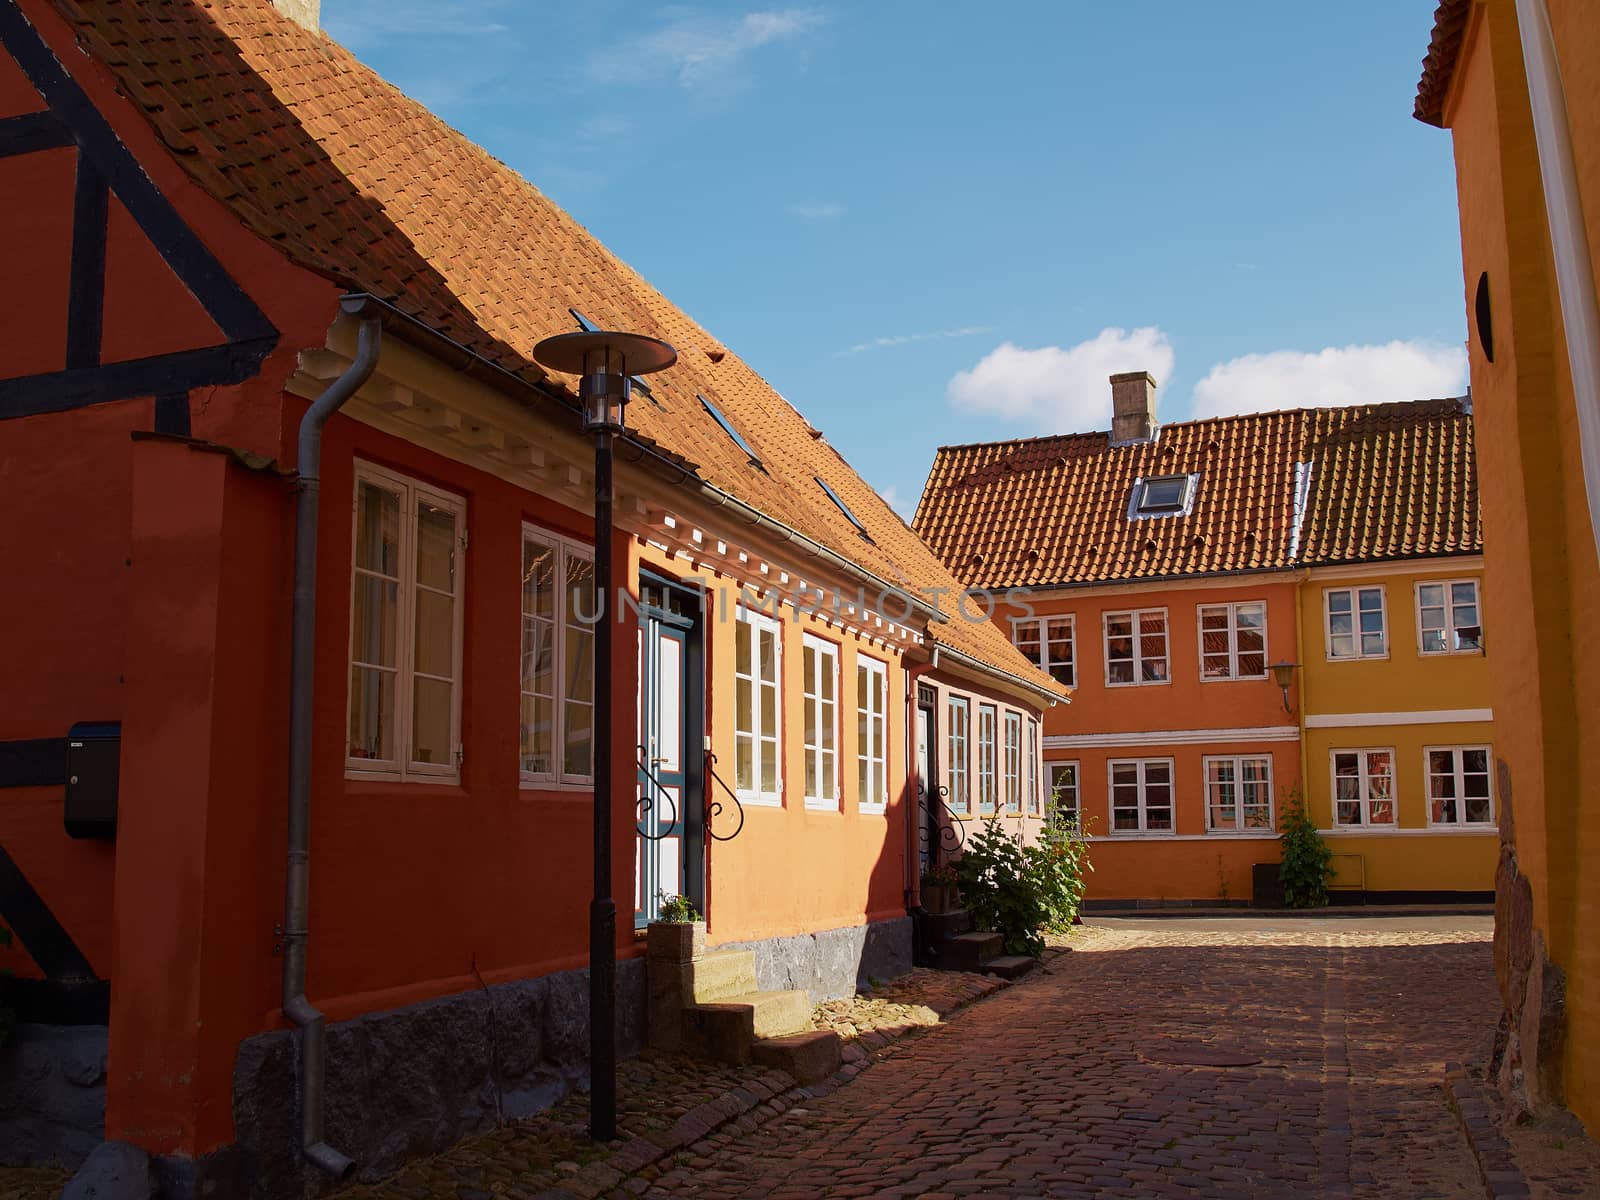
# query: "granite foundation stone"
(832, 963)
(52, 1094)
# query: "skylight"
(1162, 496)
(727, 428)
(843, 507)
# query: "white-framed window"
(959, 713)
(1136, 647)
(1239, 793)
(872, 755)
(407, 572)
(1035, 808)
(1064, 789)
(1363, 787)
(1460, 785)
(1013, 762)
(821, 679)
(1233, 640)
(757, 709)
(988, 758)
(1141, 795)
(559, 623)
(1357, 622)
(1049, 643)
(1162, 496)
(1449, 618)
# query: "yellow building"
(1517, 82)
(1394, 684)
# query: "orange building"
(1170, 574)
(214, 239)
(1518, 86)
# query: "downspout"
(302, 674)
(1569, 242)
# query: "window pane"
(1342, 646)
(1475, 761)
(1431, 594)
(371, 730)
(377, 530)
(538, 570)
(1349, 812)
(744, 762)
(1463, 593)
(1157, 772)
(1381, 812)
(578, 737)
(430, 721)
(436, 547)
(580, 663)
(374, 634)
(741, 648)
(769, 766)
(536, 735)
(769, 710)
(435, 640)
(1339, 603)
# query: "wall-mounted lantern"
(1283, 676)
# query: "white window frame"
(1040, 628)
(960, 764)
(827, 659)
(410, 491)
(1011, 774)
(1035, 806)
(558, 776)
(1232, 609)
(1355, 590)
(1137, 511)
(1365, 777)
(759, 623)
(1051, 766)
(1456, 752)
(988, 768)
(1449, 616)
(875, 754)
(1270, 829)
(1143, 764)
(1139, 659)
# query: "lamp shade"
(604, 361)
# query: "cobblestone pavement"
(1160, 1058)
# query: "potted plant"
(940, 892)
(678, 934)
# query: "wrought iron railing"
(952, 827)
(715, 808)
(647, 806)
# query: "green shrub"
(1021, 892)
(1306, 866)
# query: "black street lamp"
(604, 362)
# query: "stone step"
(720, 975)
(727, 1029)
(943, 925)
(808, 1056)
(1010, 966)
(969, 951)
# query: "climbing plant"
(1306, 866)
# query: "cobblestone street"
(1160, 1058)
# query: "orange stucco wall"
(1190, 864)
(1540, 547)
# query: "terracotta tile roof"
(1055, 509)
(1439, 65)
(1391, 481)
(352, 179)
(1386, 481)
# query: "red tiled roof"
(352, 179)
(1386, 481)
(1391, 481)
(1439, 65)
(1055, 509)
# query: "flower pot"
(677, 941)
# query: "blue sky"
(938, 223)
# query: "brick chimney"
(302, 12)
(1133, 408)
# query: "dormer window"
(727, 428)
(843, 507)
(1162, 496)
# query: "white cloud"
(374, 20)
(817, 211)
(900, 339)
(892, 497)
(1056, 389)
(699, 51)
(1336, 376)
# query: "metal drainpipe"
(302, 674)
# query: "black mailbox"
(94, 757)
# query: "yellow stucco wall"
(1365, 704)
(1541, 562)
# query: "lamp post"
(1283, 676)
(604, 362)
